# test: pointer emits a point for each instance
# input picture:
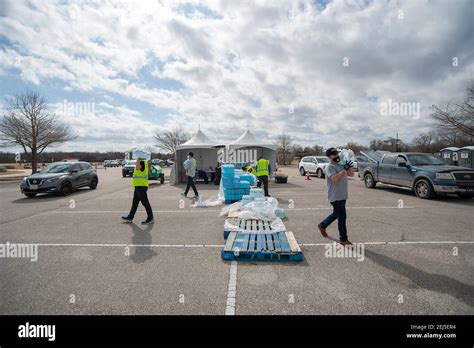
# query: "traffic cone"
(307, 176)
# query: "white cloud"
(246, 63)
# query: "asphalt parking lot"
(419, 255)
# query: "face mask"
(336, 159)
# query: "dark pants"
(202, 174)
(339, 213)
(191, 184)
(140, 195)
(264, 179)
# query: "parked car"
(355, 164)
(169, 162)
(313, 165)
(158, 162)
(60, 177)
(128, 168)
(426, 174)
(155, 172)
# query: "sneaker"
(196, 197)
(322, 230)
(184, 194)
(127, 218)
(345, 243)
(148, 222)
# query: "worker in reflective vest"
(140, 184)
(263, 171)
(249, 169)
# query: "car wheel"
(93, 184)
(369, 181)
(66, 188)
(302, 171)
(424, 189)
(320, 173)
(162, 179)
(30, 194)
(124, 175)
(465, 195)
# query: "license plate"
(33, 187)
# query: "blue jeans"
(339, 213)
(190, 184)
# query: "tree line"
(27, 122)
(453, 125)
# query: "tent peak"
(197, 140)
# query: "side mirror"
(402, 164)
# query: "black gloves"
(348, 165)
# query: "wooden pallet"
(278, 246)
(250, 225)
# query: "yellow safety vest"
(250, 169)
(262, 167)
(140, 178)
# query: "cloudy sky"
(318, 70)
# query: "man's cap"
(331, 151)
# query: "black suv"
(60, 177)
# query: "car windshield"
(323, 160)
(425, 160)
(131, 163)
(57, 168)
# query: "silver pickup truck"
(426, 174)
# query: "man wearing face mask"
(336, 178)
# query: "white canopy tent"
(204, 151)
(257, 148)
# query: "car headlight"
(55, 179)
(446, 176)
(24, 179)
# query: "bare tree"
(318, 150)
(457, 118)
(389, 144)
(354, 147)
(28, 123)
(424, 142)
(283, 143)
(169, 140)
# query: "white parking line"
(399, 242)
(330, 208)
(222, 245)
(276, 195)
(199, 210)
(128, 245)
(72, 211)
(231, 289)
